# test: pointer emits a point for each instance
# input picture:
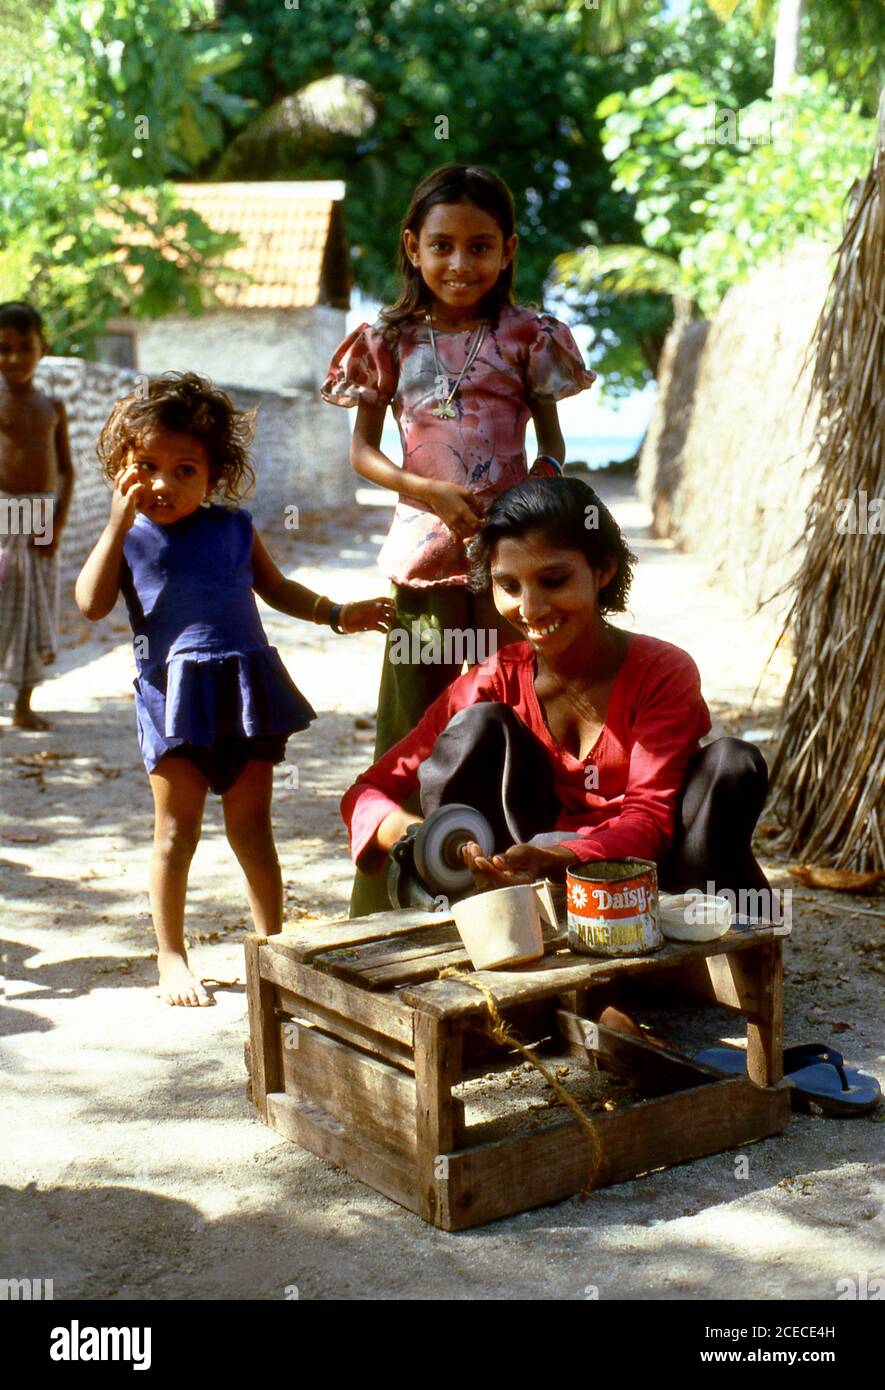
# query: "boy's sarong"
(29, 596)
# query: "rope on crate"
(499, 1030)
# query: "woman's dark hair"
(22, 317)
(186, 404)
(453, 183)
(570, 516)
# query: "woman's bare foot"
(620, 1022)
(178, 985)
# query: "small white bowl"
(693, 916)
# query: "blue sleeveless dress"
(206, 673)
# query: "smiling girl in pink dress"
(464, 370)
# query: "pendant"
(444, 411)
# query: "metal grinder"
(426, 863)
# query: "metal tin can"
(612, 907)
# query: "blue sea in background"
(599, 450)
(595, 450)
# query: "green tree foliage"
(457, 81)
(519, 85)
(104, 100)
(717, 189)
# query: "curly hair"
(185, 404)
(570, 515)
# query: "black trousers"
(487, 758)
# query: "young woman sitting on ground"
(581, 742)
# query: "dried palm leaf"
(828, 778)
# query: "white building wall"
(263, 349)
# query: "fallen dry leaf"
(40, 759)
(839, 880)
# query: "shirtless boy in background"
(36, 483)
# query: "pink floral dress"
(528, 358)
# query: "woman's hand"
(458, 506)
(126, 496)
(368, 615)
(519, 864)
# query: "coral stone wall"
(300, 453)
(727, 466)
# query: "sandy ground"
(132, 1166)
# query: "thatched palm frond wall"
(829, 774)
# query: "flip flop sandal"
(821, 1084)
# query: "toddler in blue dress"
(214, 702)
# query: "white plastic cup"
(503, 927)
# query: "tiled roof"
(293, 247)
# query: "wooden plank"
(389, 952)
(634, 1057)
(421, 964)
(558, 973)
(419, 968)
(493, 1180)
(312, 1128)
(374, 1100)
(381, 1013)
(293, 1006)
(765, 1030)
(406, 965)
(304, 942)
(264, 1051)
(414, 971)
(437, 1063)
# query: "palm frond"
(828, 777)
(302, 126)
(620, 269)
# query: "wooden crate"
(356, 1044)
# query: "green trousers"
(426, 650)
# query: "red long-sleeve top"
(655, 718)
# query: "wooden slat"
(765, 1031)
(634, 1057)
(493, 1180)
(557, 974)
(418, 967)
(312, 1128)
(264, 1052)
(389, 952)
(375, 1100)
(381, 1013)
(305, 942)
(437, 1064)
(730, 982)
(384, 965)
(413, 971)
(391, 970)
(289, 1005)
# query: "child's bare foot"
(27, 719)
(178, 985)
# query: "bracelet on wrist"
(545, 466)
(320, 598)
(335, 619)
